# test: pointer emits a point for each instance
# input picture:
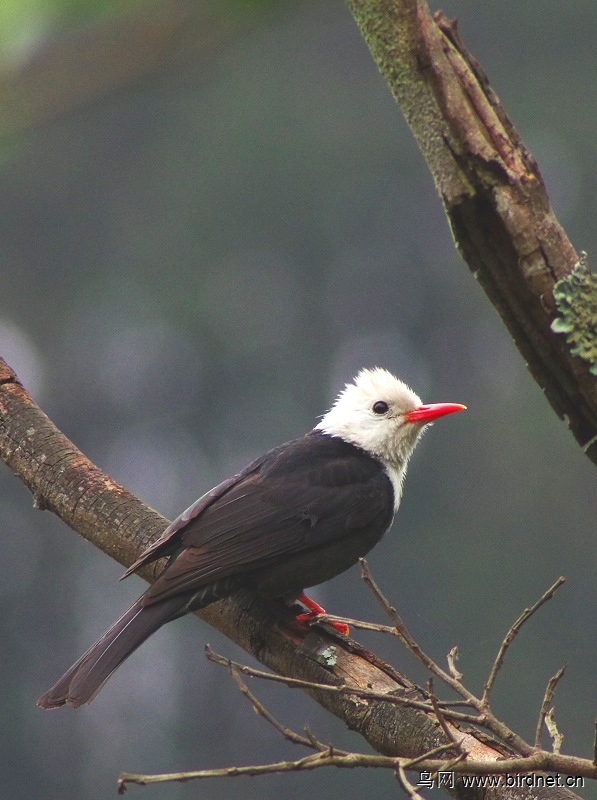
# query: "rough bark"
(492, 191)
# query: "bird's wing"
(169, 540)
(287, 504)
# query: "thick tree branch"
(492, 191)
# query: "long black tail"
(86, 677)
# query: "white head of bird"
(383, 416)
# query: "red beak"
(432, 411)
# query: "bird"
(293, 518)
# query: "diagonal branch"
(513, 633)
(491, 189)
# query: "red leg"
(314, 610)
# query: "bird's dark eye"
(380, 407)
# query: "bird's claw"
(314, 611)
(306, 619)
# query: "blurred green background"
(211, 216)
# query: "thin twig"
(380, 597)
(316, 744)
(340, 688)
(450, 765)
(312, 761)
(449, 732)
(406, 785)
(511, 635)
(552, 726)
(413, 762)
(354, 623)
(452, 659)
(292, 736)
(547, 701)
(409, 642)
(330, 757)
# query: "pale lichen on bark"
(576, 300)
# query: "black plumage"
(293, 518)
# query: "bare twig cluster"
(456, 756)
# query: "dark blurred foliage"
(192, 264)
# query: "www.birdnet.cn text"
(529, 780)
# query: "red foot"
(314, 610)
